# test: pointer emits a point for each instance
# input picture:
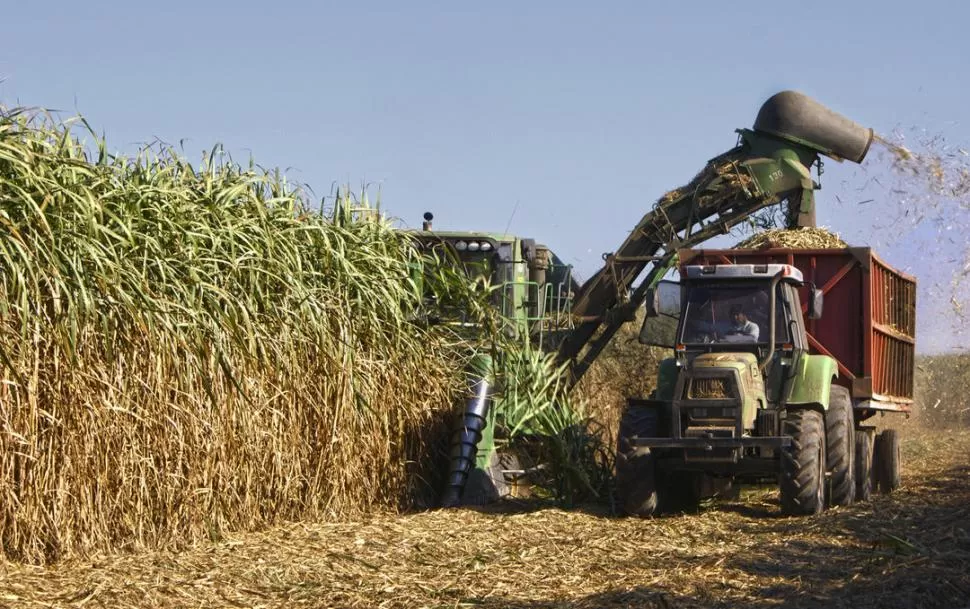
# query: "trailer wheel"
(888, 460)
(863, 464)
(636, 483)
(840, 446)
(802, 483)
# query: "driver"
(741, 326)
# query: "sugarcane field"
(483, 307)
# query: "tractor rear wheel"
(802, 483)
(840, 446)
(863, 464)
(636, 483)
(888, 460)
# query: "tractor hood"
(739, 361)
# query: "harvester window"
(477, 266)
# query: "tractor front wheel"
(636, 483)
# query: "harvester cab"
(531, 287)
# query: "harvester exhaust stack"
(802, 120)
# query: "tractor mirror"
(664, 300)
(815, 301)
(663, 313)
(659, 331)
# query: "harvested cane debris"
(796, 238)
(908, 549)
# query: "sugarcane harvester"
(530, 292)
(751, 392)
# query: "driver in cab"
(742, 330)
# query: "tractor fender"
(813, 380)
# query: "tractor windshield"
(730, 313)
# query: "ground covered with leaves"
(910, 549)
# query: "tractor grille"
(713, 388)
(767, 423)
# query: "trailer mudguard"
(812, 381)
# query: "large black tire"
(864, 439)
(840, 446)
(802, 482)
(636, 482)
(888, 460)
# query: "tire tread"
(636, 489)
(801, 472)
(840, 447)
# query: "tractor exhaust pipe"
(464, 442)
(797, 117)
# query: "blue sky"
(562, 120)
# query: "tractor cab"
(729, 309)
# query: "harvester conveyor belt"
(770, 165)
(724, 194)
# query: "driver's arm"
(751, 329)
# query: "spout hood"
(796, 116)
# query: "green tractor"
(532, 290)
(793, 405)
(742, 371)
(762, 386)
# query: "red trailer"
(869, 320)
